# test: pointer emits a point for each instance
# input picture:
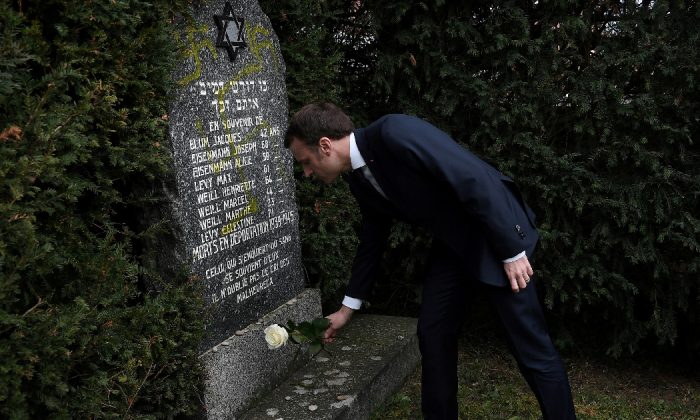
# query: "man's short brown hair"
(317, 120)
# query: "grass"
(490, 387)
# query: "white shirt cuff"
(517, 257)
(352, 303)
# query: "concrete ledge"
(241, 368)
(362, 368)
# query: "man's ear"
(325, 145)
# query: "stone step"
(367, 363)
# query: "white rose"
(275, 336)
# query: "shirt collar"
(356, 159)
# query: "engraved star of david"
(231, 35)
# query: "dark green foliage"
(83, 149)
(308, 332)
(591, 106)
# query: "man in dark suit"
(401, 167)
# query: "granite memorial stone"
(236, 202)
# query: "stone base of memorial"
(241, 369)
(366, 363)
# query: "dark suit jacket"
(433, 182)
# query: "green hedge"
(83, 152)
(591, 106)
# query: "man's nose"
(307, 172)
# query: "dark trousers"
(442, 311)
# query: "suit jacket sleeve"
(487, 196)
(373, 235)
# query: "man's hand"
(519, 273)
(338, 320)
